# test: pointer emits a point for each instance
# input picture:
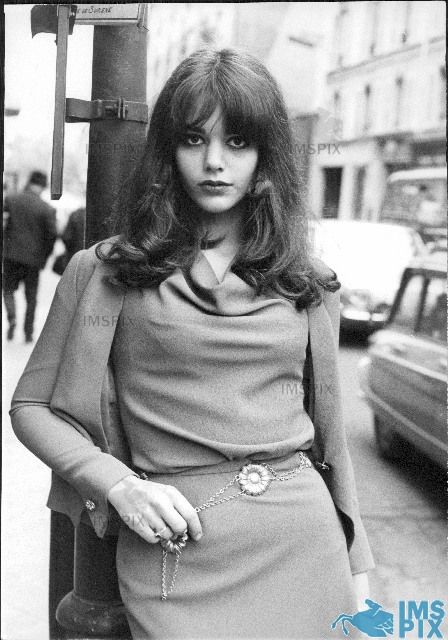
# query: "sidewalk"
(25, 482)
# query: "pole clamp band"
(120, 109)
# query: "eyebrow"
(192, 127)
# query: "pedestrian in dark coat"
(73, 235)
(30, 234)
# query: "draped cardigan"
(65, 408)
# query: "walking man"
(29, 238)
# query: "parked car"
(417, 198)
(369, 259)
(403, 377)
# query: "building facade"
(291, 38)
(386, 92)
(176, 29)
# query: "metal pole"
(119, 70)
(93, 609)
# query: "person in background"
(428, 213)
(29, 237)
(5, 194)
(73, 239)
(73, 235)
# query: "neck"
(227, 226)
(35, 188)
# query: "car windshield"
(416, 201)
(365, 255)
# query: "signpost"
(57, 159)
(59, 19)
(90, 606)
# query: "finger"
(176, 523)
(163, 531)
(158, 525)
(151, 514)
(188, 513)
(137, 523)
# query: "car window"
(433, 321)
(407, 311)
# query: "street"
(402, 505)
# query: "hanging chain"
(304, 462)
(213, 502)
(166, 593)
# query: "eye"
(192, 139)
(237, 142)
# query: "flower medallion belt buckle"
(254, 479)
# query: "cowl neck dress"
(209, 378)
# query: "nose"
(214, 156)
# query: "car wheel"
(388, 441)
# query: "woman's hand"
(361, 584)
(150, 507)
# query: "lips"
(214, 183)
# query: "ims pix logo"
(422, 619)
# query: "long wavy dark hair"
(156, 221)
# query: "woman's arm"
(66, 446)
(360, 555)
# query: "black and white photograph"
(224, 337)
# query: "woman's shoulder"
(88, 258)
(86, 262)
(324, 274)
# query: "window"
(442, 93)
(358, 193)
(373, 19)
(407, 312)
(337, 104)
(367, 108)
(341, 36)
(433, 321)
(398, 101)
(407, 21)
(337, 111)
(183, 48)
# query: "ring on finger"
(158, 534)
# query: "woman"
(192, 378)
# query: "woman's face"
(216, 166)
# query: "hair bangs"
(244, 112)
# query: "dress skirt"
(268, 566)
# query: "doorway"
(332, 191)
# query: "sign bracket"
(120, 109)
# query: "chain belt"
(253, 479)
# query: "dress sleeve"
(64, 445)
(360, 554)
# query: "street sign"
(110, 14)
(57, 160)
